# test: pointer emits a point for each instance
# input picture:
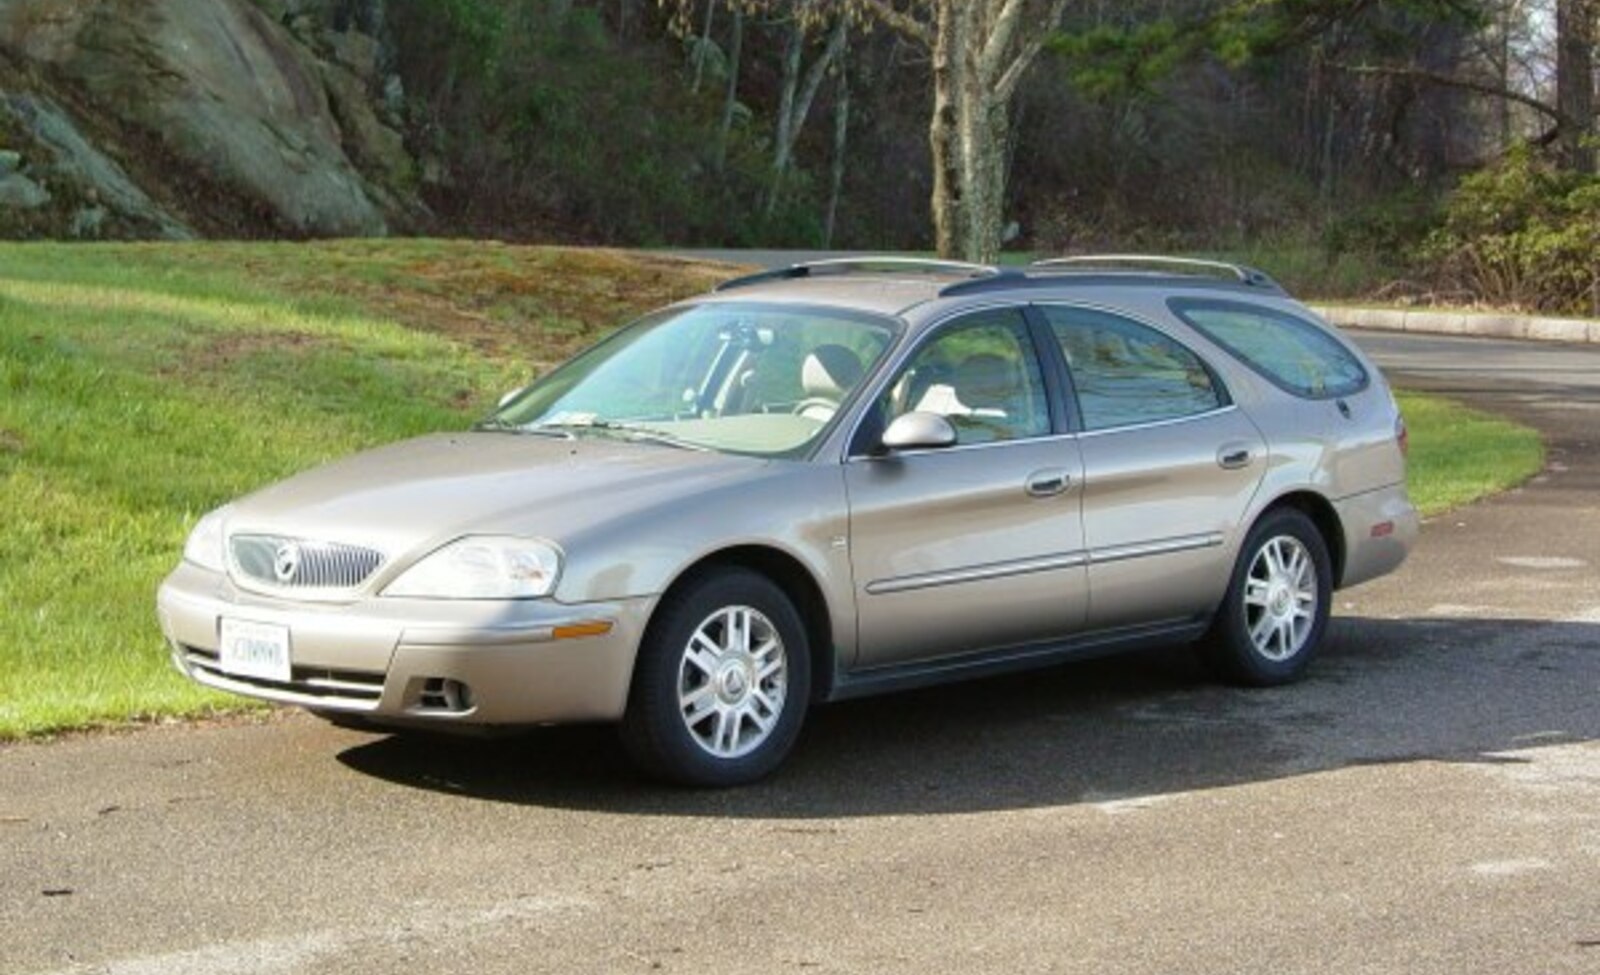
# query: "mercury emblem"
(286, 562)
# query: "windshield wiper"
(496, 425)
(634, 431)
(657, 436)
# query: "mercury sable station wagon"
(821, 482)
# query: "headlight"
(204, 547)
(482, 567)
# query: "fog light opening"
(444, 694)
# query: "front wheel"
(722, 682)
(1271, 621)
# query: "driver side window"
(982, 375)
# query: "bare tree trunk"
(1575, 39)
(1504, 56)
(795, 98)
(982, 135)
(700, 49)
(782, 143)
(946, 203)
(1326, 168)
(980, 51)
(730, 99)
(841, 135)
(972, 153)
(985, 161)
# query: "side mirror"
(918, 431)
(511, 396)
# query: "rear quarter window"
(1290, 352)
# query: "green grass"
(142, 385)
(1459, 454)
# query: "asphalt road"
(1427, 801)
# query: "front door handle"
(1044, 484)
(1233, 456)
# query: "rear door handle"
(1044, 484)
(1234, 456)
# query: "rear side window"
(1126, 373)
(1292, 353)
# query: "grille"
(309, 685)
(296, 563)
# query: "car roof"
(892, 296)
(895, 285)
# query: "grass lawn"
(1460, 454)
(142, 385)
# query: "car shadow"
(1120, 729)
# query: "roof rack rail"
(1244, 274)
(846, 265)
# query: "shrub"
(1390, 226)
(1522, 234)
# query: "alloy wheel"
(1280, 598)
(732, 681)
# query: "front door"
(980, 545)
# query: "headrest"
(987, 382)
(830, 371)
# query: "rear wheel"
(1271, 621)
(722, 682)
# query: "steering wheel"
(820, 402)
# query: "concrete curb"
(1484, 325)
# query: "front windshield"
(744, 378)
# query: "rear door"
(1170, 466)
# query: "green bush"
(1522, 234)
(1391, 226)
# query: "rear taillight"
(1402, 436)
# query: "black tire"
(660, 738)
(1228, 648)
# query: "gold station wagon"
(821, 482)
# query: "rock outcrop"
(155, 97)
(16, 189)
(101, 182)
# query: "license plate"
(259, 650)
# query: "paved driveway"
(1428, 801)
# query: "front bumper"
(406, 661)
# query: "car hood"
(423, 492)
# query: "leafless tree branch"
(1452, 81)
(898, 20)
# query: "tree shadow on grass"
(1116, 729)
